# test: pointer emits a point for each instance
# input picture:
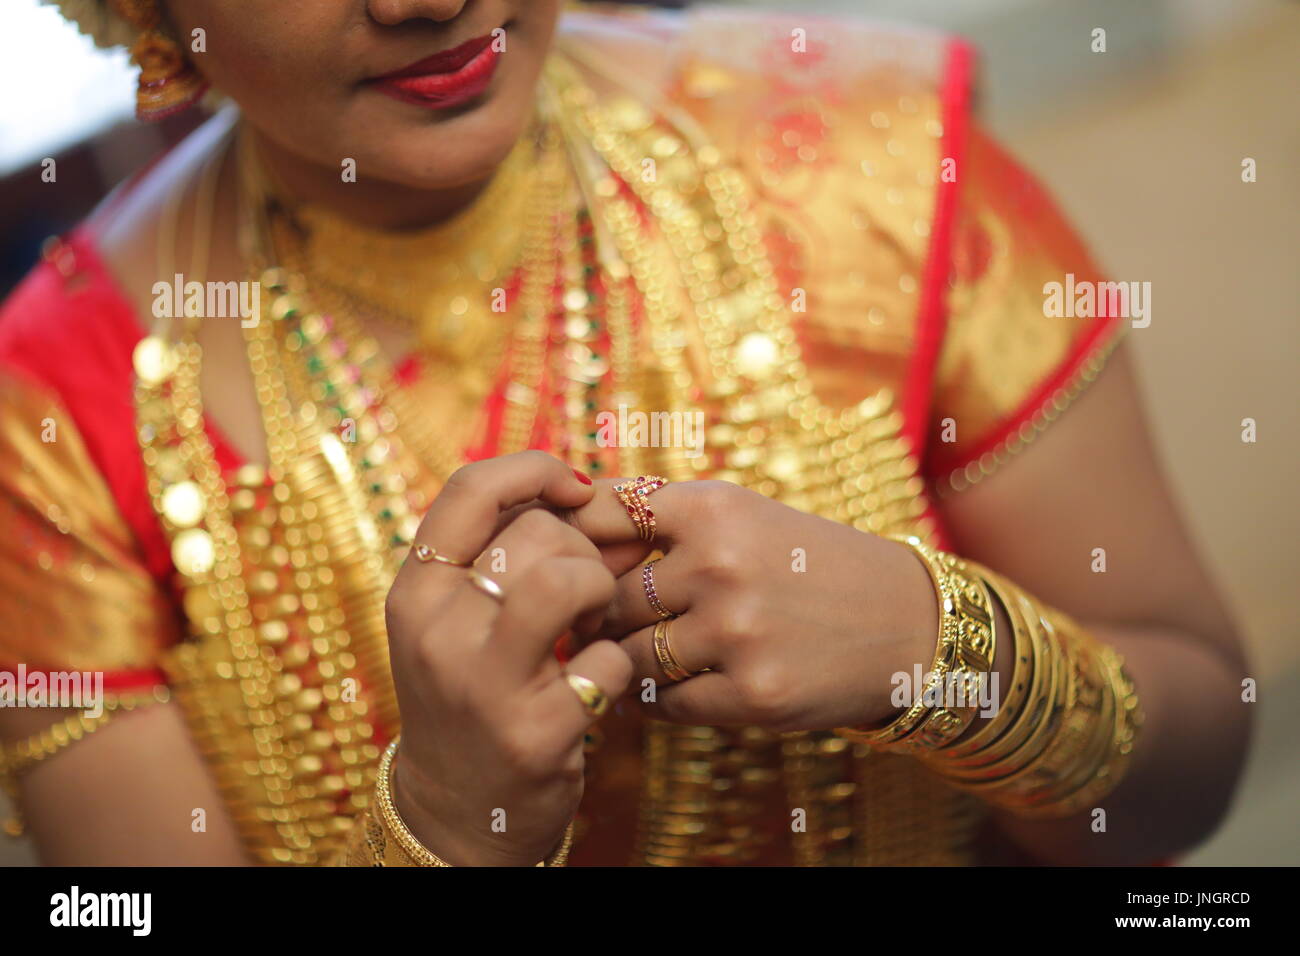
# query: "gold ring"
(648, 582)
(486, 585)
(633, 494)
(424, 554)
(594, 701)
(664, 654)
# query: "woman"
(473, 238)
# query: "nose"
(392, 12)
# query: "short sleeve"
(1030, 320)
(74, 591)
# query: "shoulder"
(839, 124)
(840, 128)
(81, 553)
(67, 335)
(67, 324)
(73, 323)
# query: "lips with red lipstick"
(444, 80)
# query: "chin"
(422, 147)
(462, 150)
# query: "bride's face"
(425, 93)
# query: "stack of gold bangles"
(1061, 735)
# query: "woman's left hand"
(801, 622)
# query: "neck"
(369, 202)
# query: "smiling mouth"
(446, 79)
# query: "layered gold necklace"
(662, 299)
(440, 283)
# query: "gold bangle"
(383, 823)
(1079, 746)
(1023, 764)
(1013, 702)
(992, 760)
(1095, 776)
(1063, 738)
(971, 604)
(964, 655)
(1075, 745)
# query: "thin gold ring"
(594, 700)
(486, 585)
(424, 554)
(672, 667)
(648, 582)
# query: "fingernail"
(581, 477)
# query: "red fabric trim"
(1037, 206)
(931, 318)
(932, 310)
(1095, 338)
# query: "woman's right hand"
(490, 767)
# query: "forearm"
(1182, 771)
(126, 795)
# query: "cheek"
(271, 57)
(266, 75)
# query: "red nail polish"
(581, 477)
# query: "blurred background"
(1142, 145)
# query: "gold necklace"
(719, 340)
(528, 314)
(437, 282)
(727, 344)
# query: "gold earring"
(169, 83)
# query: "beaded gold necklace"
(429, 280)
(286, 677)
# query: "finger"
(463, 517)
(711, 699)
(631, 608)
(606, 666)
(533, 537)
(604, 518)
(618, 557)
(539, 606)
(537, 534)
(467, 513)
(623, 556)
(691, 645)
